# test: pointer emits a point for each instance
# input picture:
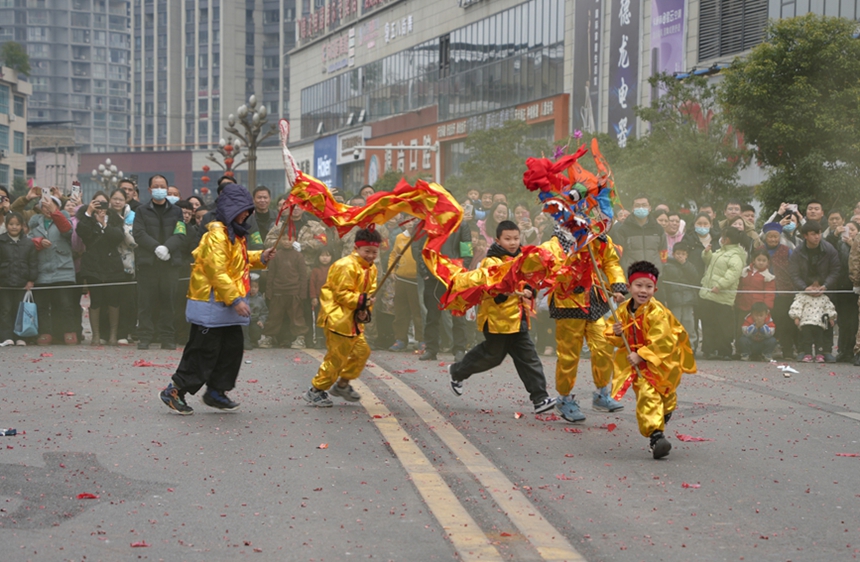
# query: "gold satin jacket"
(656, 335)
(504, 318)
(222, 266)
(348, 278)
(607, 259)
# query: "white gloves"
(296, 246)
(162, 253)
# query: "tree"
(19, 188)
(690, 154)
(15, 57)
(497, 160)
(796, 98)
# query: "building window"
(4, 140)
(4, 174)
(729, 27)
(203, 105)
(18, 143)
(18, 174)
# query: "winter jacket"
(674, 295)
(812, 311)
(762, 282)
(843, 282)
(102, 261)
(696, 248)
(158, 225)
(646, 242)
(56, 264)
(779, 258)
(19, 261)
(407, 268)
(767, 330)
(854, 262)
(288, 274)
(126, 248)
(724, 269)
(825, 268)
(458, 247)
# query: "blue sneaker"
(601, 400)
(399, 345)
(569, 409)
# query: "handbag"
(27, 321)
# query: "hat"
(810, 226)
(683, 246)
(56, 201)
(772, 226)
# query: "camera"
(356, 154)
(102, 205)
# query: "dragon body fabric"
(575, 198)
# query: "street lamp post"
(107, 175)
(252, 118)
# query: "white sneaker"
(300, 344)
(266, 342)
(7, 343)
(122, 342)
(21, 343)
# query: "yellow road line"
(550, 543)
(470, 542)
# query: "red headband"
(640, 274)
(360, 243)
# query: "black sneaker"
(217, 399)
(428, 356)
(660, 446)
(456, 386)
(667, 417)
(174, 399)
(143, 345)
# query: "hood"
(496, 251)
(234, 199)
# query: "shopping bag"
(27, 321)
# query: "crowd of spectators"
(744, 286)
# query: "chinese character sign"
(588, 45)
(668, 34)
(623, 68)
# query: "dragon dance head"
(578, 200)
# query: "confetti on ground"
(323, 446)
(690, 438)
(252, 381)
(572, 430)
(46, 354)
(685, 485)
(87, 496)
(848, 454)
(140, 544)
(517, 415)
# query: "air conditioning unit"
(12, 117)
(4, 153)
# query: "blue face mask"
(789, 227)
(173, 199)
(640, 212)
(159, 193)
(702, 230)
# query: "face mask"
(789, 227)
(173, 199)
(702, 230)
(159, 193)
(640, 212)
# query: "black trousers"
(9, 300)
(846, 308)
(718, 327)
(212, 356)
(156, 289)
(492, 351)
(433, 291)
(814, 336)
(58, 309)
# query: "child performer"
(579, 315)
(217, 306)
(659, 346)
(505, 323)
(345, 304)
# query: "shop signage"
(346, 143)
(623, 69)
(325, 160)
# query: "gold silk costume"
(569, 332)
(656, 335)
(346, 349)
(221, 266)
(500, 318)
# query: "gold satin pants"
(569, 333)
(652, 407)
(345, 358)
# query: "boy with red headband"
(345, 303)
(659, 354)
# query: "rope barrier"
(84, 286)
(840, 292)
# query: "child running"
(659, 346)
(345, 304)
(505, 323)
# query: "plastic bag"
(27, 321)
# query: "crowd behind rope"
(744, 287)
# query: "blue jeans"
(746, 346)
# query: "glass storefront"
(506, 59)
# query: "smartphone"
(103, 205)
(792, 207)
(76, 189)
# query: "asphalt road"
(413, 472)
